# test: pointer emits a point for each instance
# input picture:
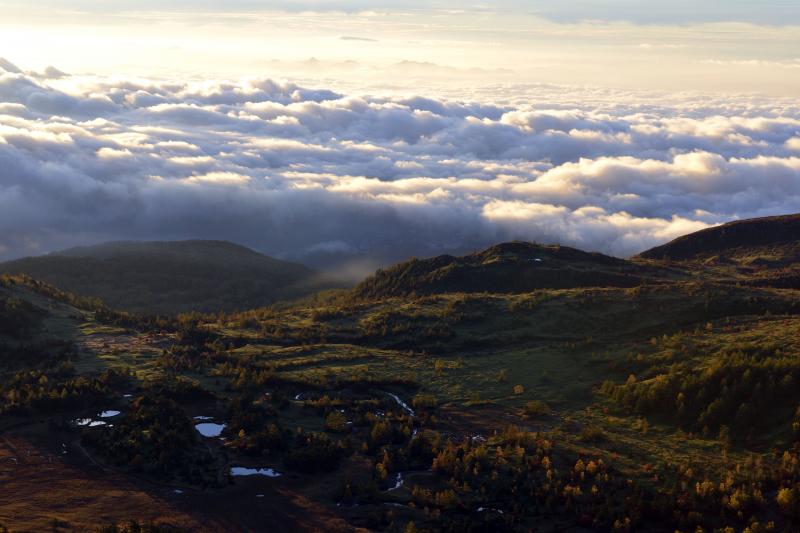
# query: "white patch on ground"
(398, 481)
(108, 414)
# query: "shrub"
(593, 434)
(424, 401)
(336, 422)
(314, 453)
(536, 409)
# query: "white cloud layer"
(294, 171)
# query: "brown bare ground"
(38, 486)
(125, 342)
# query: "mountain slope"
(590, 408)
(763, 252)
(514, 267)
(171, 277)
(734, 239)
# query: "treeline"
(156, 437)
(57, 390)
(253, 429)
(516, 480)
(520, 480)
(739, 384)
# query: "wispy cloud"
(608, 43)
(360, 39)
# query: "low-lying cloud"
(297, 172)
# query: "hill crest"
(511, 267)
(211, 249)
(730, 239)
(171, 276)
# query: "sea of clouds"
(302, 172)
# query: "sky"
(728, 45)
(318, 129)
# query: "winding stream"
(402, 404)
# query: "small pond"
(210, 429)
(242, 471)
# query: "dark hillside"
(514, 267)
(763, 252)
(171, 277)
(731, 239)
